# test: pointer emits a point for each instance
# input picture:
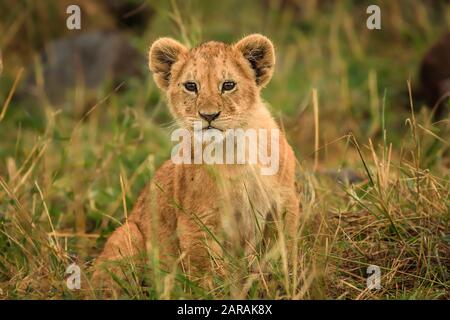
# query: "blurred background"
(83, 126)
(320, 44)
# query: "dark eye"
(228, 86)
(190, 86)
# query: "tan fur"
(176, 209)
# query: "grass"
(339, 91)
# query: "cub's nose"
(209, 116)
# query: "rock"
(88, 59)
(345, 175)
(434, 76)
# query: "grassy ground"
(66, 182)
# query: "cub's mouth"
(200, 126)
(210, 127)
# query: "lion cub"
(192, 211)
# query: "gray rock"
(87, 59)
(435, 76)
(345, 175)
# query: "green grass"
(65, 182)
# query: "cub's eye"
(228, 86)
(190, 86)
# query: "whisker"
(169, 123)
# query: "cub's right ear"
(163, 53)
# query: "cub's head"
(215, 83)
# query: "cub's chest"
(251, 197)
(237, 197)
(252, 191)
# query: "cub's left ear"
(258, 50)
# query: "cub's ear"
(258, 50)
(163, 53)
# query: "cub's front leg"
(197, 235)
